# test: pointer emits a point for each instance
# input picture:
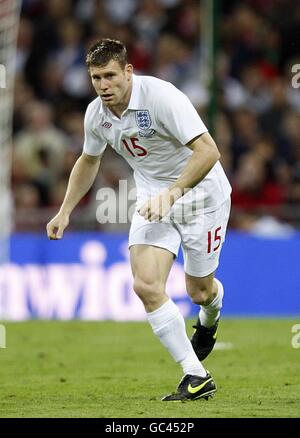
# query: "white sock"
(168, 324)
(209, 314)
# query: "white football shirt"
(151, 135)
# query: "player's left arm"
(204, 157)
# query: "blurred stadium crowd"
(257, 122)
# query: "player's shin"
(168, 324)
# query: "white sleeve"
(94, 144)
(179, 117)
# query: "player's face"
(112, 83)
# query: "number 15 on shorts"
(214, 240)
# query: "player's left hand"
(155, 209)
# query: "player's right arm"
(81, 179)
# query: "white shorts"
(201, 238)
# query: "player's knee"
(201, 295)
(148, 291)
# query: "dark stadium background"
(256, 127)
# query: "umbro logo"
(107, 125)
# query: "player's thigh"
(150, 265)
(202, 242)
(153, 246)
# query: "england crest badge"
(143, 119)
(144, 123)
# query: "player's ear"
(128, 70)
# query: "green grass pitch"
(120, 370)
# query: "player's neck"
(118, 110)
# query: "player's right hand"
(55, 228)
